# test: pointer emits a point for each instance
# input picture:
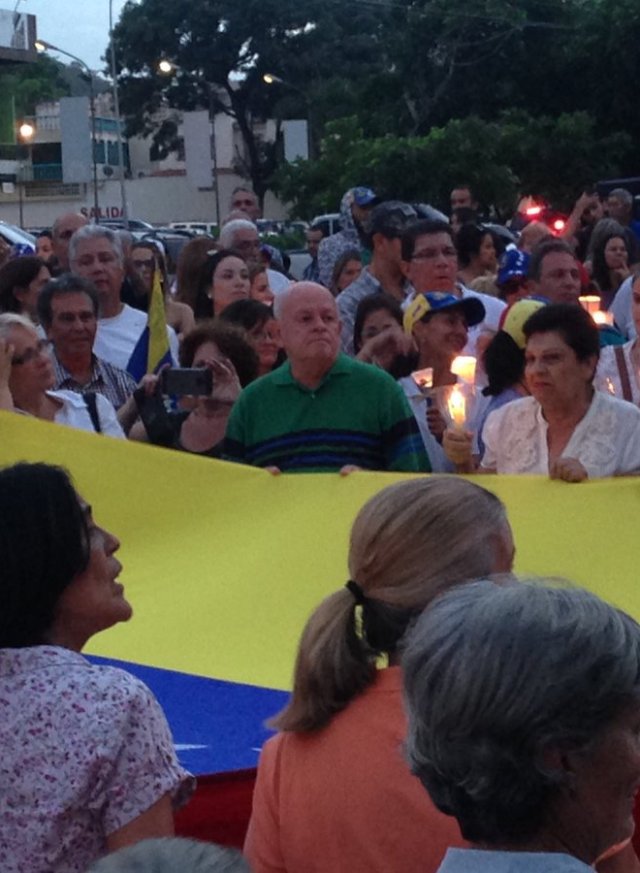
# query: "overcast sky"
(79, 26)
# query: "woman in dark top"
(199, 425)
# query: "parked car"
(197, 227)
(14, 235)
(329, 223)
(118, 224)
(172, 241)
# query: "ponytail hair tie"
(356, 591)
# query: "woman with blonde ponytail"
(334, 794)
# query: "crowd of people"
(413, 343)
(357, 363)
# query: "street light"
(167, 68)
(272, 79)
(43, 46)
(26, 133)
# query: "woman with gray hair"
(333, 792)
(524, 720)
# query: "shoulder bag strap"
(89, 398)
(624, 373)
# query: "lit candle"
(457, 407)
(464, 366)
(423, 378)
(590, 302)
(602, 317)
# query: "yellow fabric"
(158, 339)
(224, 563)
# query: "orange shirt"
(342, 800)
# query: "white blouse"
(606, 441)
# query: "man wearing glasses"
(430, 263)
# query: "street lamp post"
(272, 79)
(41, 46)
(166, 68)
(25, 135)
(116, 106)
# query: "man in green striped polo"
(322, 411)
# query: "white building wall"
(158, 199)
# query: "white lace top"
(606, 441)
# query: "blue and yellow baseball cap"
(437, 301)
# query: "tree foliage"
(511, 94)
(503, 159)
(29, 84)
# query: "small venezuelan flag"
(152, 349)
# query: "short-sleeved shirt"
(348, 301)
(114, 383)
(74, 412)
(357, 415)
(606, 441)
(117, 337)
(85, 750)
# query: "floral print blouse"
(85, 750)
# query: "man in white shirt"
(95, 253)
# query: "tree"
(220, 52)
(24, 85)
(516, 154)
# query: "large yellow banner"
(224, 563)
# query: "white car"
(15, 235)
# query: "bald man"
(322, 411)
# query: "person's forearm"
(128, 414)
(6, 400)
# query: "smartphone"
(195, 382)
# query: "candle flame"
(602, 317)
(590, 302)
(464, 366)
(457, 406)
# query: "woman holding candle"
(619, 366)
(565, 429)
(439, 325)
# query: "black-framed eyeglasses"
(42, 347)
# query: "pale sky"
(79, 26)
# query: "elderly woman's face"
(552, 371)
(31, 367)
(605, 780)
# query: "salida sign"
(107, 212)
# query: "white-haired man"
(95, 253)
(322, 411)
(242, 236)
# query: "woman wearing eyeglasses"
(146, 258)
(27, 377)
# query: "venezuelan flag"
(152, 349)
(224, 563)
